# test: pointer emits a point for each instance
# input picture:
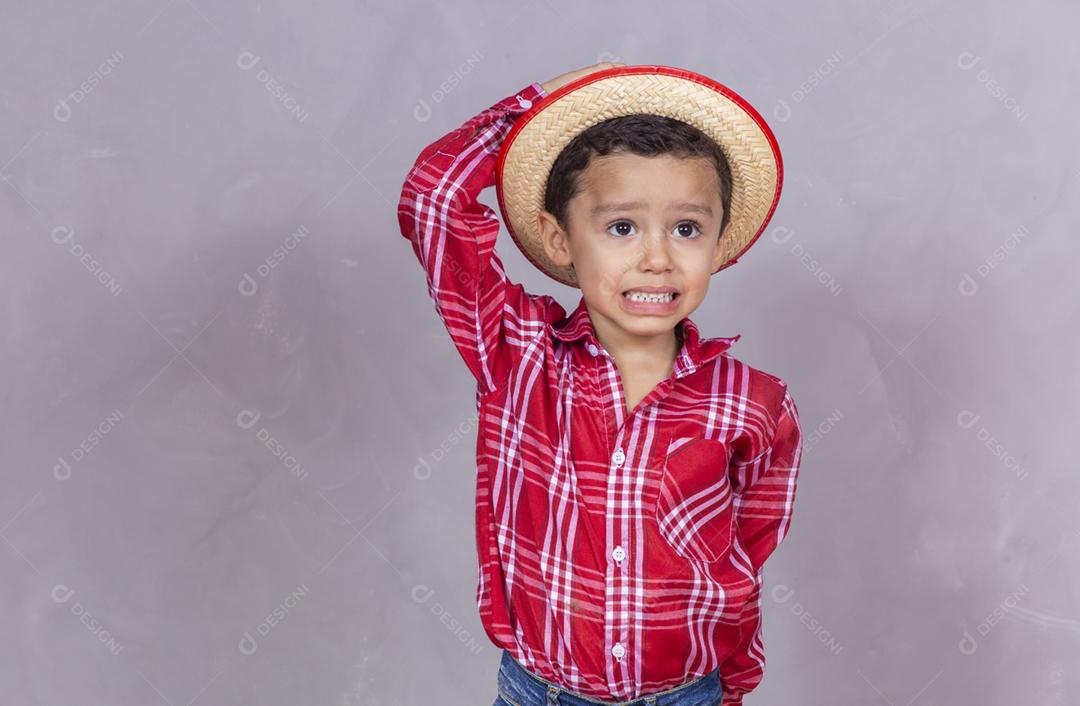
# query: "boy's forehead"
(616, 182)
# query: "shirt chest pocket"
(695, 506)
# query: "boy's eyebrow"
(601, 208)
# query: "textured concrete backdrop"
(238, 445)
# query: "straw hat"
(540, 134)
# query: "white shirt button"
(618, 457)
(593, 350)
(618, 554)
(618, 651)
(524, 102)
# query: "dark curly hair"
(643, 134)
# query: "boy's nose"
(654, 252)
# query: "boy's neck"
(648, 352)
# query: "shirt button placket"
(618, 554)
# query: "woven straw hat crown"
(539, 135)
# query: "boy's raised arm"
(765, 487)
(453, 236)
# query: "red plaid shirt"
(619, 554)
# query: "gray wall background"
(227, 397)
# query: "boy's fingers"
(569, 76)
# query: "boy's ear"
(721, 251)
(554, 239)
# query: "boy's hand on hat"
(563, 79)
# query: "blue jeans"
(520, 687)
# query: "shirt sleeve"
(765, 492)
(453, 236)
(744, 669)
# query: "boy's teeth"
(655, 298)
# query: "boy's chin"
(647, 325)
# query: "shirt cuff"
(520, 102)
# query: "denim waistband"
(520, 687)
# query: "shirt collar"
(694, 353)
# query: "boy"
(632, 476)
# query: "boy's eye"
(617, 224)
(692, 225)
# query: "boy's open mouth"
(651, 295)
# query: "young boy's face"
(641, 222)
